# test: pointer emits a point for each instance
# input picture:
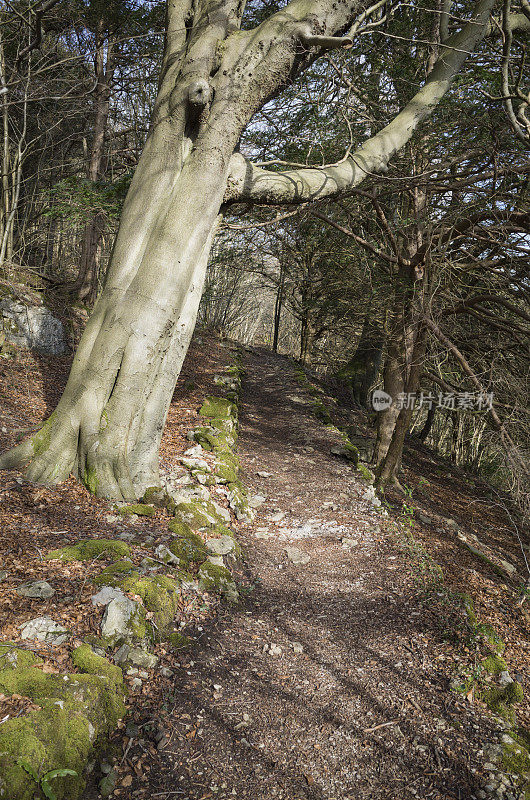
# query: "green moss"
(180, 528)
(46, 739)
(140, 509)
(90, 480)
(87, 661)
(206, 437)
(41, 440)
(156, 496)
(12, 657)
(188, 549)
(178, 640)
(365, 472)
(90, 549)
(322, 413)
(516, 760)
(114, 574)
(491, 636)
(469, 608)
(522, 735)
(500, 700)
(226, 473)
(159, 594)
(197, 514)
(218, 407)
(95, 695)
(31, 682)
(494, 664)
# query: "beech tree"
(215, 76)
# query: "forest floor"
(330, 680)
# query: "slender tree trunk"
(86, 284)
(307, 339)
(399, 342)
(278, 312)
(425, 431)
(388, 469)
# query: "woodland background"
(417, 283)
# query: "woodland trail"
(329, 680)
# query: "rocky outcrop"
(33, 327)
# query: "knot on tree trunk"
(199, 93)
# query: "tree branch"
(35, 43)
(248, 183)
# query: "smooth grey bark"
(108, 423)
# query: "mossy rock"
(76, 714)
(188, 549)
(322, 413)
(226, 473)
(87, 661)
(140, 509)
(197, 514)
(12, 657)
(222, 530)
(207, 437)
(494, 664)
(218, 580)
(114, 574)
(218, 407)
(180, 528)
(159, 593)
(501, 699)
(44, 741)
(178, 641)
(367, 474)
(516, 760)
(469, 609)
(491, 636)
(90, 549)
(156, 496)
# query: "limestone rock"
(221, 546)
(40, 590)
(164, 554)
(297, 556)
(141, 658)
(257, 500)
(33, 327)
(45, 629)
(348, 543)
(123, 621)
(105, 595)
(424, 518)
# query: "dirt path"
(329, 681)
